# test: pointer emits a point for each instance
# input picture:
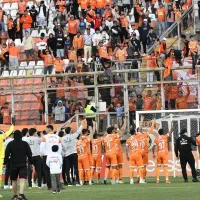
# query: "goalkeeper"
(3, 136)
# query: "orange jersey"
(167, 90)
(87, 140)
(144, 142)
(72, 26)
(78, 42)
(121, 54)
(151, 61)
(198, 140)
(134, 144)
(148, 103)
(174, 92)
(131, 104)
(118, 144)
(100, 3)
(72, 55)
(97, 147)
(162, 143)
(6, 113)
(158, 104)
(60, 92)
(3, 99)
(81, 148)
(193, 46)
(103, 53)
(10, 24)
(181, 102)
(109, 142)
(161, 12)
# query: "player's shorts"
(111, 160)
(16, 171)
(145, 158)
(120, 158)
(162, 158)
(83, 163)
(136, 160)
(97, 162)
(90, 160)
(1, 166)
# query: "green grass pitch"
(177, 190)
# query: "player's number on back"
(95, 148)
(81, 150)
(134, 144)
(161, 145)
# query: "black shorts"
(20, 171)
(172, 103)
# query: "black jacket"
(51, 42)
(115, 31)
(136, 45)
(44, 10)
(183, 145)
(18, 151)
(144, 30)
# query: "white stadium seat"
(5, 74)
(23, 64)
(13, 73)
(35, 33)
(14, 6)
(40, 62)
(18, 42)
(22, 72)
(39, 72)
(13, 13)
(31, 63)
(6, 7)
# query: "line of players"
(110, 143)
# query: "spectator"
(82, 25)
(139, 102)
(51, 43)
(2, 13)
(4, 58)
(72, 27)
(144, 30)
(112, 116)
(173, 90)
(59, 65)
(124, 26)
(98, 21)
(134, 30)
(41, 102)
(50, 110)
(42, 14)
(59, 42)
(48, 61)
(115, 34)
(170, 18)
(74, 91)
(181, 101)
(119, 109)
(87, 45)
(18, 151)
(96, 38)
(59, 113)
(33, 13)
(92, 31)
(13, 56)
(193, 49)
(10, 26)
(55, 162)
(162, 13)
(78, 43)
(22, 5)
(121, 54)
(60, 93)
(41, 44)
(185, 45)
(100, 4)
(105, 37)
(90, 14)
(135, 43)
(28, 46)
(151, 37)
(18, 27)
(26, 21)
(6, 113)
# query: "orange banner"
(151, 168)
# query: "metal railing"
(176, 28)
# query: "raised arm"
(152, 127)
(123, 128)
(6, 134)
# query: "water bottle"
(4, 171)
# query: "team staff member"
(181, 101)
(3, 136)
(45, 148)
(70, 152)
(18, 151)
(183, 151)
(34, 142)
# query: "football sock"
(88, 174)
(117, 174)
(131, 173)
(98, 173)
(141, 173)
(158, 173)
(106, 172)
(113, 175)
(166, 172)
(92, 173)
(81, 175)
(120, 173)
(144, 172)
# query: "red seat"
(4, 83)
(26, 106)
(34, 115)
(37, 81)
(24, 115)
(17, 106)
(29, 81)
(35, 106)
(27, 98)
